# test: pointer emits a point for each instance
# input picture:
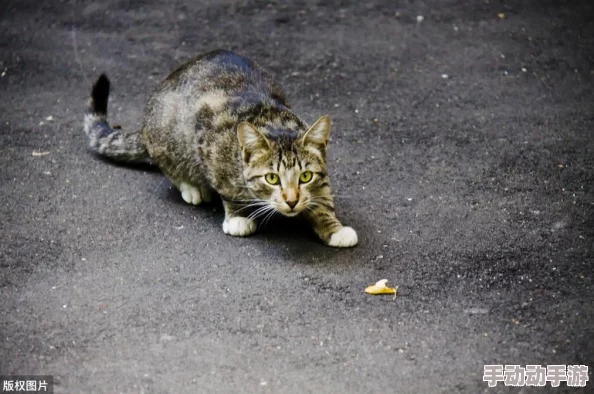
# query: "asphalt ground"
(462, 152)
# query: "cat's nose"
(291, 197)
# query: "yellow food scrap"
(501, 15)
(380, 288)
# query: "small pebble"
(166, 338)
(476, 311)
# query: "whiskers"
(266, 211)
(269, 216)
(263, 208)
(252, 203)
(314, 202)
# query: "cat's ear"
(319, 133)
(251, 140)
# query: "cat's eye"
(305, 176)
(272, 178)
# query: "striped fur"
(103, 139)
(219, 124)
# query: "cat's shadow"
(145, 166)
(277, 227)
(292, 235)
(292, 238)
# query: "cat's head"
(286, 170)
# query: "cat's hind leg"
(194, 194)
(178, 163)
(188, 177)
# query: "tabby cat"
(220, 124)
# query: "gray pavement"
(462, 152)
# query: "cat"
(220, 124)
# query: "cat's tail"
(109, 142)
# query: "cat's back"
(220, 70)
(218, 79)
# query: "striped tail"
(103, 139)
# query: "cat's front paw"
(239, 226)
(346, 237)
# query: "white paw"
(190, 194)
(343, 238)
(239, 227)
